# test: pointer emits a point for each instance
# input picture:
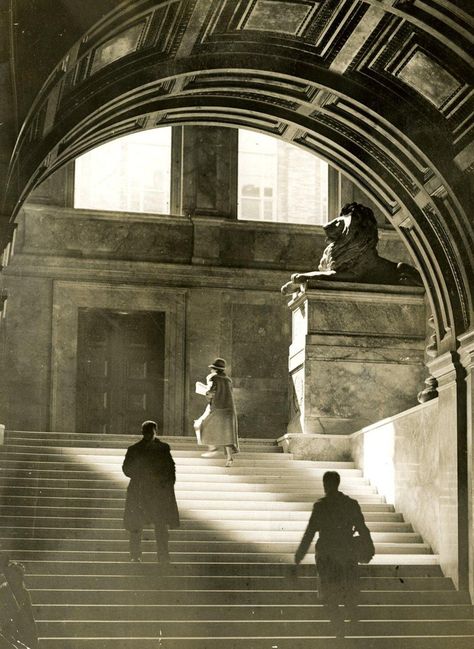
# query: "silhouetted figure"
(217, 426)
(337, 518)
(17, 623)
(150, 494)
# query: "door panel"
(120, 376)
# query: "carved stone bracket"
(430, 391)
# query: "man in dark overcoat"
(337, 518)
(150, 494)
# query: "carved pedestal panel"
(356, 355)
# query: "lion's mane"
(353, 243)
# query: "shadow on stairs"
(231, 584)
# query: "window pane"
(131, 173)
(250, 190)
(291, 184)
(251, 208)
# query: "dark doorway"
(120, 373)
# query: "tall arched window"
(280, 182)
(129, 174)
(277, 181)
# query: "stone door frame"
(68, 298)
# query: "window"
(280, 182)
(130, 174)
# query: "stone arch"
(388, 137)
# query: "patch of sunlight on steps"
(232, 583)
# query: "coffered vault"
(379, 88)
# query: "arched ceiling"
(380, 88)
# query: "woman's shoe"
(211, 454)
(229, 462)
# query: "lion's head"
(351, 235)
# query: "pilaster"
(452, 462)
(466, 353)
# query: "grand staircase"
(231, 584)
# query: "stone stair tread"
(384, 556)
(416, 569)
(176, 597)
(47, 530)
(36, 458)
(188, 504)
(296, 642)
(194, 453)
(226, 628)
(232, 580)
(182, 486)
(97, 612)
(199, 516)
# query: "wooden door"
(120, 371)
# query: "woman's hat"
(218, 364)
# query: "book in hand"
(201, 388)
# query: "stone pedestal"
(357, 355)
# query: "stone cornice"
(359, 292)
(138, 272)
(103, 215)
(385, 231)
(443, 368)
(466, 350)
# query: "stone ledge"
(313, 446)
(387, 292)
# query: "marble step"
(410, 546)
(283, 461)
(189, 440)
(119, 453)
(387, 555)
(232, 628)
(237, 536)
(188, 528)
(86, 472)
(152, 579)
(79, 440)
(50, 593)
(23, 478)
(97, 471)
(293, 612)
(118, 481)
(230, 498)
(111, 491)
(232, 572)
(198, 517)
(81, 565)
(384, 641)
(250, 509)
(191, 479)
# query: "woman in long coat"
(217, 427)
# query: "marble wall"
(66, 260)
(25, 358)
(226, 273)
(47, 230)
(411, 459)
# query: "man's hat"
(218, 364)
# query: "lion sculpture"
(351, 254)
